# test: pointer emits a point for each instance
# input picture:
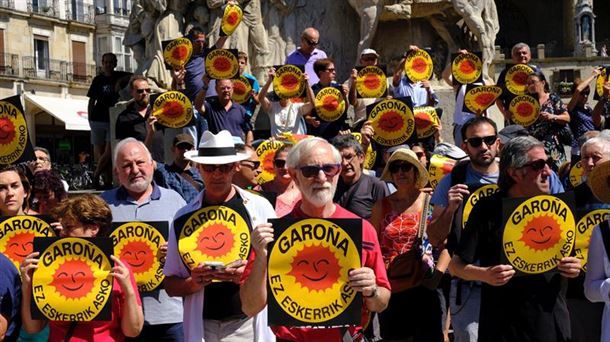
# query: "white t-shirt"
(288, 119)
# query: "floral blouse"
(552, 135)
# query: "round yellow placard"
(214, 233)
(330, 104)
(371, 82)
(393, 122)
(221, 64)
(137, 244)
(584, 229)
(13, 133)
(231, 19)
(371, 154)
(418, 65)
(266, 154)
(479, 98)
(73, 281)
(17, 235)
(173, 109)
(524, 109)
(242, 89)
(576, 173)
(426, 121)
(288, 81)
(439, 167)
(600, 81)
(311, 260)
(539, 232)
(178, 52)
(466, 68)
(475, 196)
(516, 78)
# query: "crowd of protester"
(466, 290)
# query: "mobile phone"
(215, 265)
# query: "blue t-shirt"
(250, 105)
(441, 193)
(234, 120)
(10, 297)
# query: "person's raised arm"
(311, 98)
(353, 97)
(200, 98)
(584, 84)
(132, 316)
(262, 96)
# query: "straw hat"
(216, 149)
(599, 181)
(411, 158)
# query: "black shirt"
(131, 124)
(103, 92)
(528, 307)
(360, 197)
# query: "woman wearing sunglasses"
(282, 185)
(552, 127)
(413, 314)
(581, 120)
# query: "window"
(41, 55)
(121, 7)
(78, 10)
(79, 66)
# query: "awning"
(72, 112)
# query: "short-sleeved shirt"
(159, 307)
(528, 307)
(581, 122)
(371, 257)
(103, 92)
(108, 331)
(234, 120)
(10, 297)
(417, 92)
(130, 123)
(360, 197)
(193, 77)
(287, 119)
(250, 105)
(171, 177)
(298, 58)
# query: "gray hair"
(519, 46)
(605, 133)
(124, 143)
(602, 141)
(514, 155)
(346, 141)
(305, 147)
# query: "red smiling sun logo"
(520, 78)
(289, 82)
(239, 88)
(173, 109)
(232, 18)
(467, 67)
(422, 120)
(222, 64)
(267, 163)
(419, 65)
(316, 268)
(330, 103)
(391, 122)
(215, 240)
(541, 233)
(484, 100)
(180, 52)
(524, 109)
(138, 255)
(73, 279)
(372, 82)
(19, 246)
(7, 131)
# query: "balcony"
(7, 4)
(45, 68)
(81, 72)
(81, 13)
(47, 9)
(9, 64)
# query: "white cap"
(369, 52)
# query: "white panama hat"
(216, 150)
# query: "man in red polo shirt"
(314, 164)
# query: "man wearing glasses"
(131, 123)
(248, 169)
(307, 53)
(523, 308)
(314, 164)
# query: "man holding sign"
(529, 307)
(315, 165)
(207, 231)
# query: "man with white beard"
(314, 164)
(138, 198)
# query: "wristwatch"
(373, 294)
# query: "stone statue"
(281, 28)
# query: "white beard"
(319, 197)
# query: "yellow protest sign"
(221, 64)
(178, 52)
(392, 120)
(266, 154)
(330, 104)
(308, 271)
(13, 131)
(524, 109)
(439, 167)
(466, 68)
(474, 197)
(538, 233)
(288, 81)
(231, 19)
(214, 233)
(73, 281)
(426, 121)
(576, 174)
(371, 82)
(370, 154)
(173, 109)
(418, 65)
(478, 99)
(137, 244)
(516, 78)
(17, 236)
(584, 229)
(242, 89)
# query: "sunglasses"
(184, 146)
(330, 170)
(539, 164)
(310, 43)
(251, 164)
(404, 167)
(477, 141)
(279, 163)
(140, 91)
(224, 168)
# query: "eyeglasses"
(330, 170)
(310, 43)
(140, 91)
(404, 167)
(251, 164)
(224, 168)
(477, 141)
(539, 164)
(279, 163)
(330, 70)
